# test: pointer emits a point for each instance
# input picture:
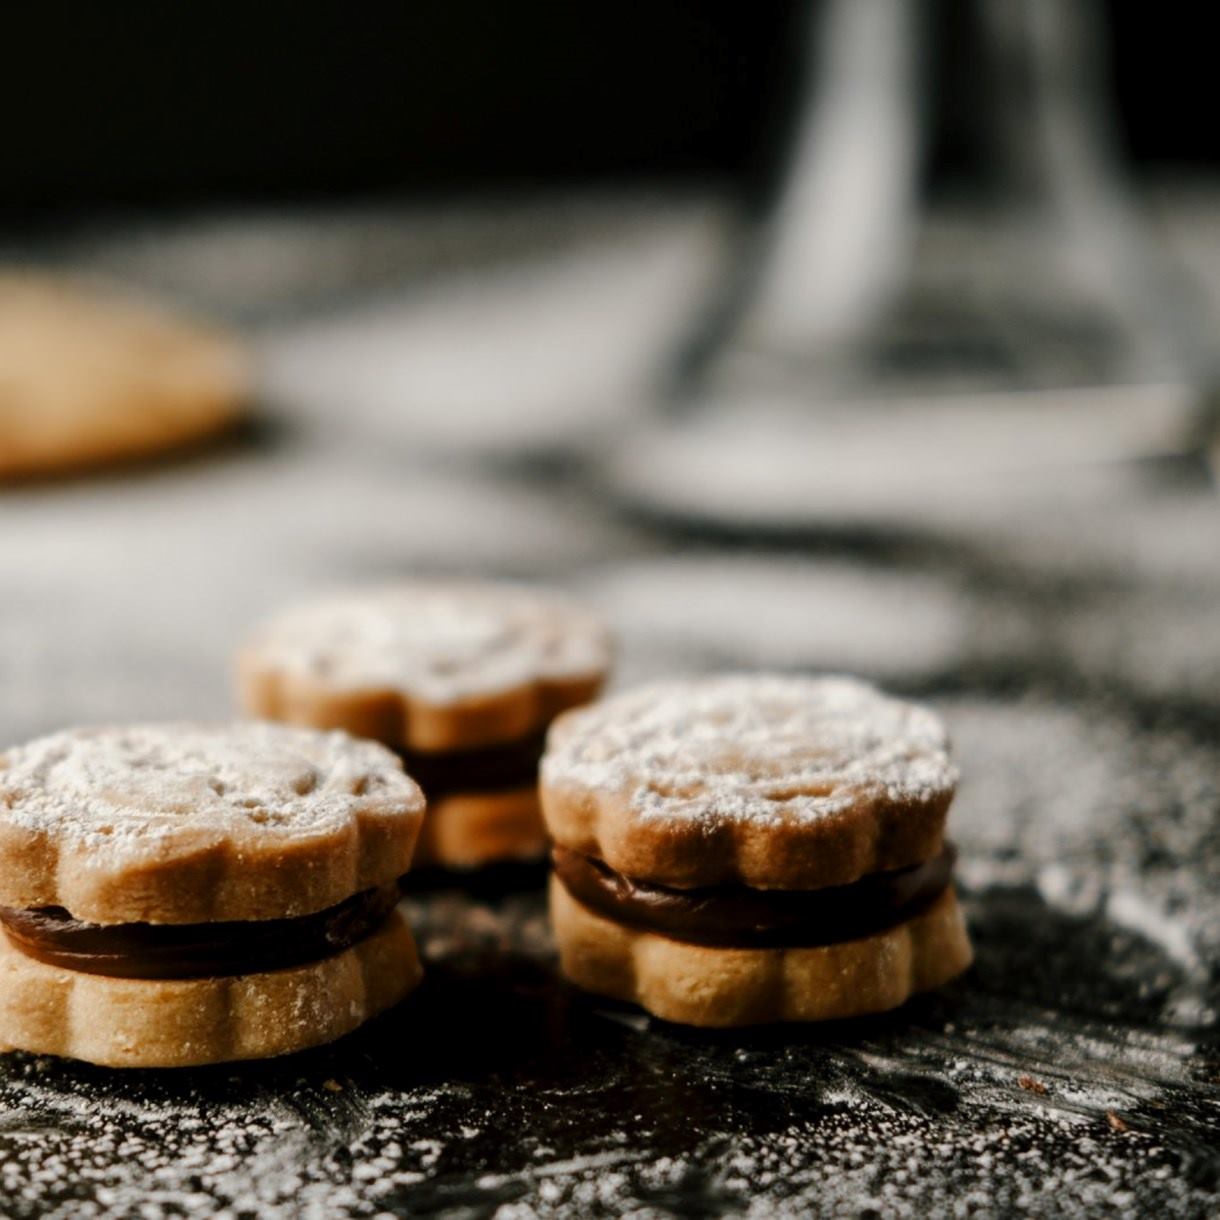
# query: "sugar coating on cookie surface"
(186, 821)
(112, 785)
(753, 747)
(440, 642)
(771, 780)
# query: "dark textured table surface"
(1075, 652)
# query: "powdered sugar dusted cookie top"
(189, 823)
(782, 782)
(443, 642)
(432, 646)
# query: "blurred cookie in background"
(90, 377)
(461, 678)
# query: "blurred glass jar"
(1012, 287)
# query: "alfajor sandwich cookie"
(746, 849)
(182, 894)
(461, 679)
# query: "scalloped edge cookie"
(395, 719)
(286, 671)
(233, 867)
(48, 1010)
(616, 786)
(723, 987)
(469, 830)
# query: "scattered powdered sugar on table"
(126, 785)
(193, 1153)
(1096, 814)
(439, 641)
(752, 747)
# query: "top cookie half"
(429, 666)
(182, 823)
(771, 782)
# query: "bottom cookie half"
(469, 830)
(180, 1023)
(720, 987)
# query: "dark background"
(144, 102)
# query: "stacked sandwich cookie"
(184, 894)
(738, 850)
(461, 679)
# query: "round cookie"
(184, 894)
(773, 782)
(462, 678)
(430, 666)
(89, 378)
(743, 849)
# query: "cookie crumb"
(1030, 1085)
(1116, 1123)
(332, 1086)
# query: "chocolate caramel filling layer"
(739, 917)
(487, 769)
(197, 950)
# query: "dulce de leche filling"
(498, 768)
(739, 917)
(200, 950)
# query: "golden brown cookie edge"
(473, 829)
(400, 719)
(184, 1023)
(201, 877)
(782, 853)
(722, 988)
